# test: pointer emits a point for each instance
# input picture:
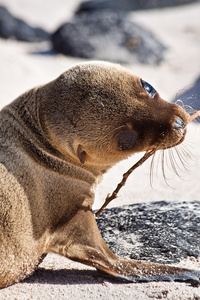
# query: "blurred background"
(157, 40)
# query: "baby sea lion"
(56, 142)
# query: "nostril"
(178, 124)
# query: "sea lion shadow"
(69, 277)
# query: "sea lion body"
(57, 140)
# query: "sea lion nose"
(178, 124)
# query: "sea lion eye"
(148, 88)
(127, 140)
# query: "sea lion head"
(99, 113)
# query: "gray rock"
(14, 28)
(129, 4)
(163, 232)
(107, 35)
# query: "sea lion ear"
(81, 154)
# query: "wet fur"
(56, 142)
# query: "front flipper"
(85, 245)
(130, 270)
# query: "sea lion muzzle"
(179, 124)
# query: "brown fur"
(56, 141)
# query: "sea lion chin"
(56, 141)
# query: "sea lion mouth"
(180, 128)
(182, 137)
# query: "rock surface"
(164, 232)
(129, 4)
(107, 35)
(14, 28)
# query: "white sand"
(22, 68)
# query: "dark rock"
(14, 28)
(129, 4)
(190, 98)
(163, 232)
(107, 35)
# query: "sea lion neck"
(24, 112)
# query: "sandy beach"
(25, 65)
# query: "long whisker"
(181, 157)
(176, 159)
(186, 152)
(117, 128)
(151, 169)
(188, 108)
(158, 159)
(163, 167)
(173, 162)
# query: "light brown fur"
(56, 141)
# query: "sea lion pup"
(56, 141)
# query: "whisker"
(180, 103)
(181, 153)
(186, 152)
(181, 91)
(193, 102)
(151, 169)
(187, 107)
(190, 141)
(173, 162)
(158, 161)
(167, 163)
(181, 160)
(117, 128)
(175, 159)
(163, 168)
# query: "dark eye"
(148, 88)
(127, 140)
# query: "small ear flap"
(81, 154)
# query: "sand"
(25, 65)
